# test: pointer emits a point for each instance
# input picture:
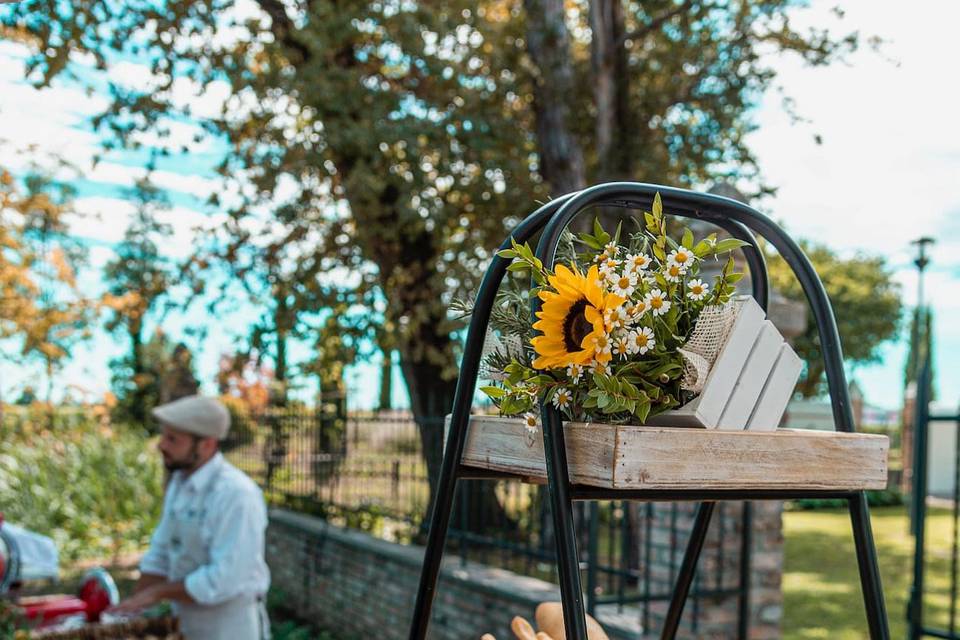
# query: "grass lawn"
(822, 586)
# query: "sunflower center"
(575, 326)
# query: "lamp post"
(913, 392)
(921, 261)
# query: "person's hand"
(143, 599)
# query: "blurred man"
(207, 554)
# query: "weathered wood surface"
(629, 457)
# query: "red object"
(93, 600)
(96, 597)
(46, 608)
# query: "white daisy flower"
(612, 249)
(637, 309)
(697, 289)
(637, 262)
(642, 340)
(574, 372)
(615, 318)
(608, 266)
(600, 367)
(624, 284)
(682, 257)
(621, 346)
(657, 301)
(601, 257)
(562, 398)
(674, 272)
(531, 420)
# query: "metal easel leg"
(561, 506)
(439, 524)
(687, 569)
(869, 570)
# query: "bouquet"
(617, 310)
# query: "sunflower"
(571, 319)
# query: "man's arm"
(153, 565)
(153, 593)
(147, 580)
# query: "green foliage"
(42, 308)
(875, 498)
(162, 372)
(137, 279)
(866, 302)
(921, 347)
(12, 621)
(283, 626)
(95, 489)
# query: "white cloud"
(101, 218)
(105, 220)
(123, 175)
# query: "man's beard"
(185, 464)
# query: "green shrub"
(875, 498)
(95, 489)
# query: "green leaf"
(657, 205)
(729, 244)
(687, 239)
(509, 254)
(599, 234)
(651, 221)
(591, 242)
(494, 392)
(643, 410)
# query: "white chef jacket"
(211, 536)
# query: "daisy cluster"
(632, 280)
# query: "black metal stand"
(740, 221)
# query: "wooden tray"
(629, 457)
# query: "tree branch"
(283, 28)
(655, 24)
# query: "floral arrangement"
(616, 311)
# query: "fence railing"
(367, 471)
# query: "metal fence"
(935, 592)
(367, 471)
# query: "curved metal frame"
(741, 221)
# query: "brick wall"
(359, 586)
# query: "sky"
(886, 171)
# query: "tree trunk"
(138, 409)
(386, 381)
(282, 333)
(615, 134)
(431, 398)
(548, 43)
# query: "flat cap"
(199, 415)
